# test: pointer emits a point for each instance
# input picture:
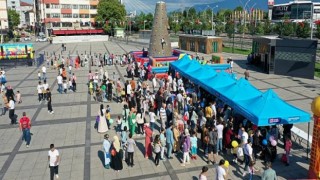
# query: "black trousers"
(157, 158)
(53, 170)
(11, 116)
(49, 106)
(40, 96)
(130, 158)
(140, 128)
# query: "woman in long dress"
(132, 121)
(102, 126)
(148, 140)
(106, 147)
(116, 159)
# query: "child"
(251, 169)
(234, 153)
(70, 69)
(18, 97)
(287, 149)
(39, 75)
(108, 108)
(124, 141)
(65, 86)
(194, 146)
(91, 87)
(70, 85)
(130, 149)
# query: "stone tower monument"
(160, 44)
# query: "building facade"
(21, 8)
(4, 24)
(296, 11)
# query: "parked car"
(41, 39)
(27, 38)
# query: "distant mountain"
(232, 4)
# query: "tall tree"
(13, 18)
(112, 13)
(318, 29)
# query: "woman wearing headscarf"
(106, 147)
(132, 121)
(148, 139)
(102, 126)
(116, 157)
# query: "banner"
(16, 51)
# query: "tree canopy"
(112, 13)
(13, 18)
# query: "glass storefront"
(292, 11)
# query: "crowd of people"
(192, 122)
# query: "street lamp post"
(212, 15)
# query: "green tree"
(259, 29)
(239, 8)
(303, 29)
(111, 11)
(268, 27)
(13, 18)
(230, 28)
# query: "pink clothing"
(148, 147)
(288, 146)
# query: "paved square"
(71, 127)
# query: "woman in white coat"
(102, 126)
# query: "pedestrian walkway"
(71, 127)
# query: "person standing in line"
(74, 84)
(212, 147)
(53, 158)
(11, 111)
(152, 116)
(59, 81)
(116, 158)
(132, 121)
(130, 149)
(49, 101)
(247, 151)
(220, 136)
(24, 126)
(221, 173)
(106, 147)
(163, 116)
(148, 139)
(203, 174)
(102, 126)
(163, 143)
(169, 141)
(269, 173)
(157, 149)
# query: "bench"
(300, 135)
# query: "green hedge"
(215, 59)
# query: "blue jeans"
(60, 88)
(151, 126)
(219, 145)
(246, 161)
(169, 150)
(44, 77)
(26, 135)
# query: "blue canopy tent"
(204, 72)
(222, 79)
(268, 109)
(239, 90)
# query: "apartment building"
(4, 24)
(21, 8)
(61, 17)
